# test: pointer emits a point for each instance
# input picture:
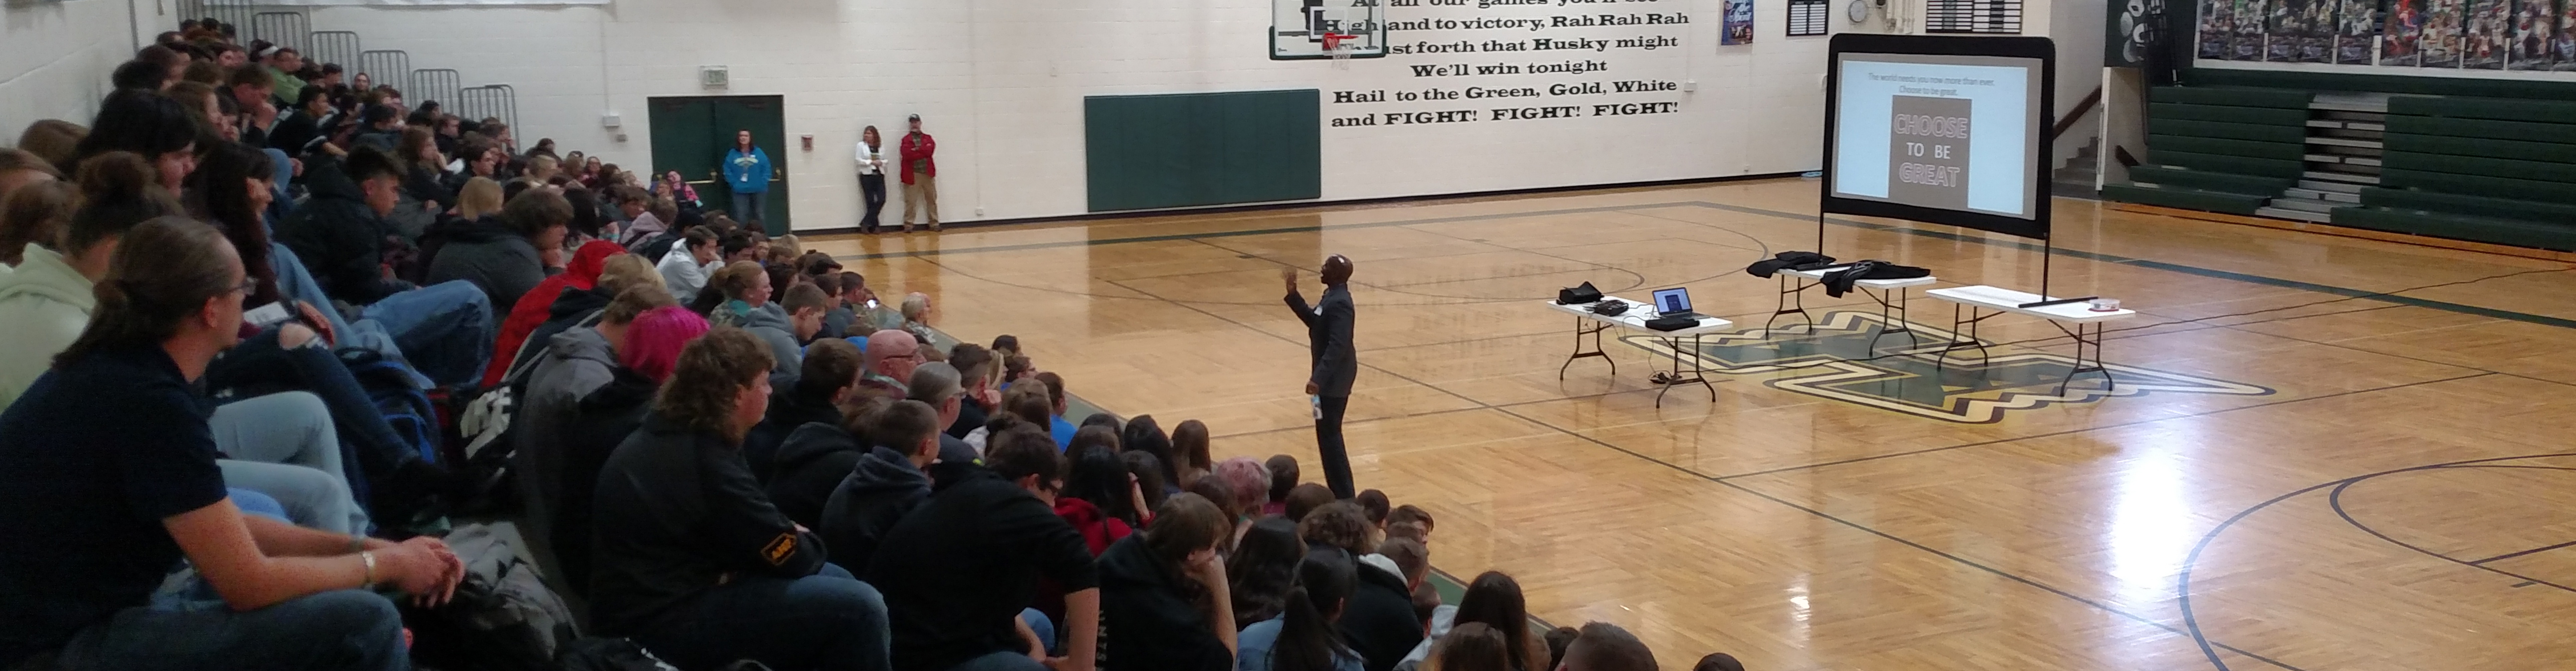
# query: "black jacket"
(789, 412)
(1328, 339)
(603, 420)
(957, 571)
(677, 513)
(422, 183)
(1146, 624)
(868, 502)
(811, 463)
(338, 237)
(970, 416)
(293, 132)
(495, 259)
(1378, 621)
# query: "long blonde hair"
(481, 196)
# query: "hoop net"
(1334, 45)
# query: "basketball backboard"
(1298, 28)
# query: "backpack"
(413, 416)
(609, 654)
(654, 247)
(502, 617)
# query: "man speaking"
(1335, 364)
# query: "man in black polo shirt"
(958, 571)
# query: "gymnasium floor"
(2309, 476)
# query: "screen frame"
(2038, 144)
(1683, 292)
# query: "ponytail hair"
(162, 275)
(118, 189)
(1307, 640)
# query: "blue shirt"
(747, 174)
(1061, 431)
(92, 458)
(1252, 648)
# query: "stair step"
(2364, 125)
(2330, 187)
(2319, 194)
(2340, 177)
(2301, 215)
(2344, 142)
(2361, 160)
(2303, 204)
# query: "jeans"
(296, 284)
(1001, 661)
(751, 209)
(259, 365)
(344, 629)
(255, 503)
(1328, 446)
(446, 329)
(306, 498)
(828, 621)
(872, 200)
(1043, 627)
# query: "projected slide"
(1948, 132)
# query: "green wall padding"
(2478, 165)
(2233, 131)
(1191, 149)
(2324, 81)
(2486, 128)
(2519, 150)
(2542, 111)
(2210, 181)
(2228, 95)
(2270, 116)
(2266, 167)
(2459, 227)
(2290, 151)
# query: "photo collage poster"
(2356, 24)
(2247, 42)
(2564, 45)
(2444, 20)
(1736, 26)
(2535, 24)
(2282, 33)
(2488, 37)
(2405, 33)
(2216, 27)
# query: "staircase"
(2075, 178)
(292, 26)
(2343, 155)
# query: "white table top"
(1635, 319)
(1820, 273)
(2007, 300)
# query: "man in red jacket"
(920, 176)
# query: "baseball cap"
(915, 117)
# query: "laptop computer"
(1675, 302)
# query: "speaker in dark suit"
(1334, 364)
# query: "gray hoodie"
(576, 362)
(770, 322)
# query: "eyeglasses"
(248, 285)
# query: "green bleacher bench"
(2185, 198)
(2251, 185)
(2543, 235)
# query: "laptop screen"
(1672, 300)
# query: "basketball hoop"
(1341, 53)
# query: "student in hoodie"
(1163, 593)
(889, 476)
(1302, 638)
(576, 308)
(1378, 620)
(532, 308)
(738, 295)
(685, 267)
(605, 418)
(975, 370)
(938, 384)
(446, 330)
(692, 562)
(576, 363)
(816, 395)
(506, 258)
(960, 570)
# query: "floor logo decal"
(1833, 360)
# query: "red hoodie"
(538, 303)
(1098, 531)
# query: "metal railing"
(286, 29)
(333, 46)
(186, 10)
(482, 102)
(236, 12)
(439, 84)
(386, 67)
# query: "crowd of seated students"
(730, 447)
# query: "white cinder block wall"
(1001, 83)
(55, 58)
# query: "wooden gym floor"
(2308, 475)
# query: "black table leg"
(1698, 370)
(1583, 327)
(1895, 322)
(2086, 334)
(1792, 302)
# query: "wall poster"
(1737, 26)
(2356, 27)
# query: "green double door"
(692, 133)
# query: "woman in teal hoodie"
(746, 171)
